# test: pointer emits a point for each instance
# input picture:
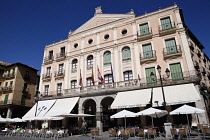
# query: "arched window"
(74, 63)
(128, 75)
(73, 84)
(90, 60)
(107, 58)
(126, 54)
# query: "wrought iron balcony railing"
(10, 75)
(48, 59)
(167, 26)
(59, 73)
(172, 50)
(148, 54)
(175, 78)
(47, 76)
(144, 32)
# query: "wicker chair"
(183, 132)
(206, 132)
(113, 134)
(141, 133)
(152, 132)
(174, 133)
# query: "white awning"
(62, 106)
(177, 94)
(42, 108)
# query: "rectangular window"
(171, 47)
(148, 77)
(59, 88)
(6, 84)
(48, 71)
(144, 29)
(73, 84)
(147, 51)
(6, 99)
(108, 78)
(50, 55)
(25, 87)
(128, 75)
(62, 51)
(176, 72)
(23, 100)
(89, 81)
(166, 23)
(46, 89)
(60, 68)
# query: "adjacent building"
(106, 65)
(18, 85)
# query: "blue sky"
(26, 26)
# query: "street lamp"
(152, 75)
(37, 97)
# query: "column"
(98, 118)
(115, 35)
(143, 118)
(187, 53)
(134, 30)
(9, 113)
(116, 65)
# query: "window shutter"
(166, 23)
(176, 72)
(23, 100)
(148, 78)
(147, 51)
(6, 99)
(171, 46)
(144, 29)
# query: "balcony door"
(166, 23)
(148, 77)
(176, 72)
(171, 46)
(147, 51)
(144, 29)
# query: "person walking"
(84, 125)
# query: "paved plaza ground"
(105, 136)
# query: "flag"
(80, 79)
(100, 78)
(139, 78)
(92, 77)
(112, 74)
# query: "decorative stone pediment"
(100, 19)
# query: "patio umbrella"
(153, 112)
(186, 109)
(17, 120)
(124, 114)
(2, 120)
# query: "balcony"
(10, 76)
(60, 56)
(25, 90)
(172, 52)
(113, 88)
(89, 67)
(144, 34)
(2, 77)
(148, 57)
(16, 102)
(196, 65)
(203, 71)
(126, 59)
(59, 74)
(48, 60)
(107, 63)
(7, 89)
(191, 46)
(168, 28)
(46, 77)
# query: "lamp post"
(152, 75)
(37, 97)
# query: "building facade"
(125, 49)
(18, 84)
